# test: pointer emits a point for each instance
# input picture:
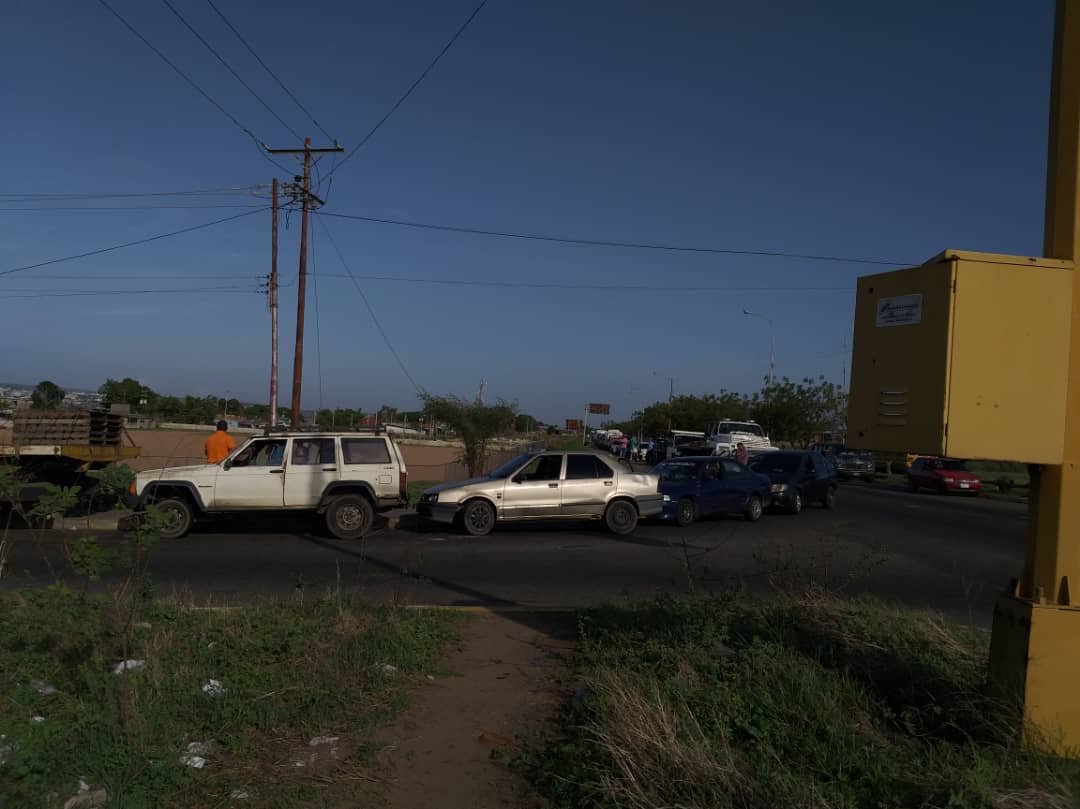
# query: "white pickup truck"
(725, 436)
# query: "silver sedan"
(578, 485)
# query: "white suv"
(346, 476)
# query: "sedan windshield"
(510, 467)
(678, 471)
(775, 463)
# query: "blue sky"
(876, 130)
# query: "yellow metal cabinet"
(964, 356)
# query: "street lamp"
(772, 353)
(670, 395)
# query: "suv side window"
(364, 451)
(581, 467)
(603, 470)
(312, 451)
(268, 452)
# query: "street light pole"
(772, 347)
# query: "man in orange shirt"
(220, 444)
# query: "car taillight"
(131, 488)
(403, 483)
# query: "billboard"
(574, 424)
(600, 409)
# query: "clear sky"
(878, 130)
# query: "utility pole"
(273, 305)
(304, 191)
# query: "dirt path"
(503, 684)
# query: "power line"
(612, 287)
(192, 83)
(111, 248)
(539, 237)
(371, 310)
(241, 189)
(412, 87)
(229, 67)
(92, 293)
(125, 208)
(266, 67)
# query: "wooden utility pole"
(304, 191)
(273, 306)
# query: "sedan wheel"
(478, 518)
(687, 512)
(621, 517)
(796, 503)
(754, 509)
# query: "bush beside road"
(805, 701)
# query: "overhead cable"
(419, 79)
(266, 67)
(121, 246)
(542, 237)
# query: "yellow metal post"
(1035, 652)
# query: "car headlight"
(667, 498)
(432, 497)
(950, 480)
(778, 488)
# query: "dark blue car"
(697, 487)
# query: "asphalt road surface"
(925, 550)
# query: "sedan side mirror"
(516, 479)
(227, 465)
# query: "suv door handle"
(609, 483)
(329, 469)
(277, 471)
(553, 485)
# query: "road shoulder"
(453, 744)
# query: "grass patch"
(415, 488)
(798, 702)
(290, 672)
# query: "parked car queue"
(587, 485)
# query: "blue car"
(696, 487)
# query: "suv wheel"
(686, 512)
(177, 515)
(350, 516)
(478, 518)
(621, 517)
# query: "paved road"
(926, 550)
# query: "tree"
(128, 391)
(524, 423)
(46, 396)
(798, 412)
(475, 423)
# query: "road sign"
(600, 409)
(574, 424)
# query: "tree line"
(796, 413)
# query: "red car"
(943, 475)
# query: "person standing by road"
(220, 444)
(741, 453)
(632, 454)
